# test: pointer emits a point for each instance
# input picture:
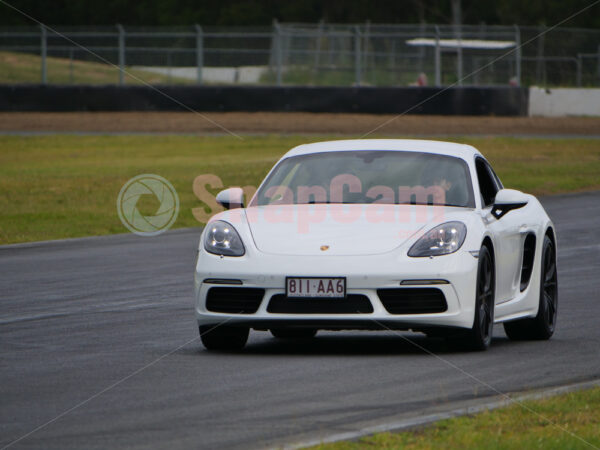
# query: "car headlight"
(222, 239)
(441, 240)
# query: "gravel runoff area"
(296, 123)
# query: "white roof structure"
(475, 44)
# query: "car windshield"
(392, 177)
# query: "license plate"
(333, 287)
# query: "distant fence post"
(598, 68)
(579, 68)
(278, 51)
(457, 28)
(364, 50)
(318, 45)
(199, 52)
(71, 75)
(357, 56)
(518, 54)
(540, 65)
(438, 58)
(44, 53)
(121, 54)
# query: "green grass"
(541, 426)
(63, 186)
(26, 68)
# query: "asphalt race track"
(95, 343)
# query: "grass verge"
(26, 68)
(569, 421)
(62, 186)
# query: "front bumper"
(364, 274)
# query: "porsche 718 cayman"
(378, 234)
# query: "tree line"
(262, 12)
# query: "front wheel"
(479, 336)
(542, 326)
(221, 337)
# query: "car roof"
(463, 151)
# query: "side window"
(487, 184)
(498, 182)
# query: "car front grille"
(352, 304)
(234, 300)
(413, 300)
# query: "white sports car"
(378, 234)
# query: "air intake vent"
(413, 300)
(234, 300)
(352, 304)
(528, 258)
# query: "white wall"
(564, 102)
(225, 75)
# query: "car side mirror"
(507, 200)
(231, 198)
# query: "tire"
(294, 333)
(542, 326)
(479, 337)
(221, 337)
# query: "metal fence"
(319, 54)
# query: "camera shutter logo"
(163, 218)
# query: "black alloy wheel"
(542, 326)
(479, 337)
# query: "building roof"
(474, 44)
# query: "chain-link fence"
(319, 54)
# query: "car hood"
(334, 229)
